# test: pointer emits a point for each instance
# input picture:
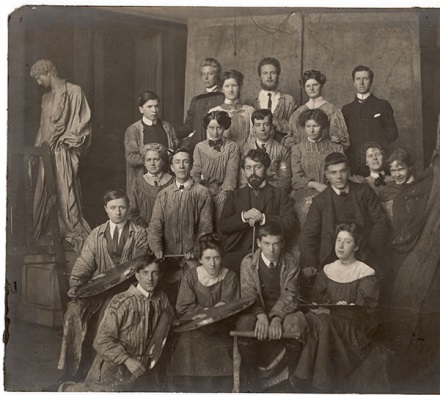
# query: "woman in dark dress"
(200, 358)
(338, 342)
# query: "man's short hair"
(313, 75)
(236, 75)
(222, 118)
(261, 114)
(113, 194)
(272, 61)
(365, 148)
(362, 68)
(43, 67)
(147, 95)
(179, 150)
(400, 156)
(317, 115)
(147, 260)
(212, 63)
(270, 228)
(335, 158)
(156, 147)
(257, 155)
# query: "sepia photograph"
(222, 199)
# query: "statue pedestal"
(40, 300)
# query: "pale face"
(345, 246)
(153, 162)
(337, 175)
(313, 88)
(374, 159)
(211, 261)
(117, 210)
(150, 110)
(215, 131)
(255, 172)
(44, 80)
(262, 129)
(149, 277)
(362, 82)
(400, 172)
(313, 129)
(209, 76)
(271, 246)
(231, 89)
(181, 166)
(269, 77)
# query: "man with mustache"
(251, 206)
(281, 104)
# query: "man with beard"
(252, 206)
(281, 105)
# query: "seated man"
(109, 244)
(271, 276)
(343, 201)
(279, 173)
(252, 206)
(125, 335)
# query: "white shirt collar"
(231, 102)
(186, 185)
(263, 98)
(147, 121)
(338, 191)
(212, 89)
(267, 261)
(113, 226)
(262, 185)
(375, 174)
(145, 293)
(363, 96)
(266, 143)
(315, 141)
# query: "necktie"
(216, 144)
(181, 188)
(343, 194)
(156, 184)
(269, 103)
(380, 180)
(271, 265)
(115, 240)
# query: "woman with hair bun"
(240, 129)
(313, 81)
(200, 361)
(217, 159)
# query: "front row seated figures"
(201, 359)
(125, 334)
(116, 241)
(270, 276)
(338, 340)
(217, 159)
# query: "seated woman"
(201, 360)
(149, 129)
(231, 82)
(313, 81)
(145, 189)
(307, 160)
(338, 342)
(372, 156)
(400, 164)
(217, 159)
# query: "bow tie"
(380, 181)
(343, 194)
(216, 144)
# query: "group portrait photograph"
(217, 199)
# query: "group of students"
(224, 205)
